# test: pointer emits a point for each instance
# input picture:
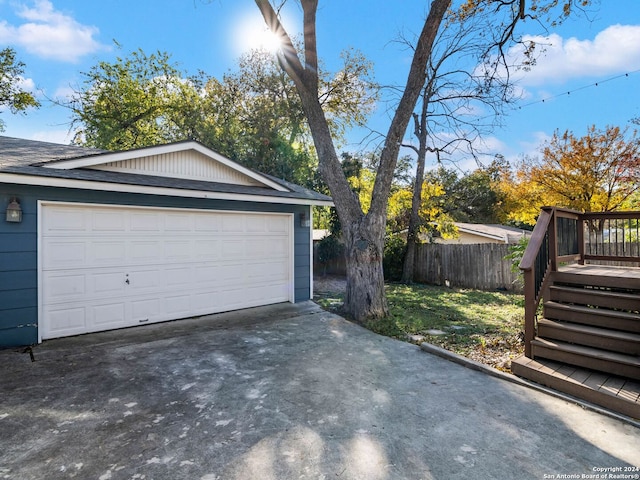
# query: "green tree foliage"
(473, 197)
(12, 95)
(253, 115)
(133, 102)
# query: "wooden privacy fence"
(481, 266)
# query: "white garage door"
(106, 267)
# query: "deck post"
(530, 307)
(553, 240)
(581, 239)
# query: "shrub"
(329, 248)
(516, 252)
(394, 249)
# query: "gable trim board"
(267, 260)
(160, 151)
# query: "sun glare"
(253, 34)
(267, 40)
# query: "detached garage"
(93, 240)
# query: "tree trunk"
(363, 234)
(409, 261)
(365, 297)
(408, 265)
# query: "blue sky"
(58, 39)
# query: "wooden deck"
(605, 275)
(614, 393)
(585, 377)
(632, 273)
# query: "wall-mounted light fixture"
(305, 221)
(14, 212)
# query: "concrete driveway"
(283, 392)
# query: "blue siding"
(19, 258)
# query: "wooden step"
(612, 340)
(595, 278)
(595, 297)
(614, 393)
(599, 317)
(587, 357)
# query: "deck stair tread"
(604, 338)
(591, 310)
(597, 292)
(599, 276)
(609, 391)
(632, 360)
(595, 297)
(589, 329)
(564, 278)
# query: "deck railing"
(567, 236)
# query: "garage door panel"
(178, 306)
(141, 281)
(145, 221)
(63, 254)
(142, 251)
(206, 249)
(179, 277)
(232, 248)
(108, 221)
(204, 302)
(106, 252)
(108, 315)
(178, 250)
(256, 224)
(178, 263)
(204, 222)
(65, 287)
(275, 247)
(227, 274)
(279, 225)
(178, 222)
(231, 298)
(67, 321)
(265, 272)
(64, 220)
(147, 310)
(233, 224)
(256, 248)
(108, 283)
(277, 271)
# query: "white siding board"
(189, 165)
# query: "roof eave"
(84, 184)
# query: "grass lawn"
(484, 326)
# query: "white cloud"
(614, 50)
(26, 84)
(532, 146)
(64, 93)
(51, 34)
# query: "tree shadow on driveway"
(287, 391)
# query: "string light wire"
(595, 84)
